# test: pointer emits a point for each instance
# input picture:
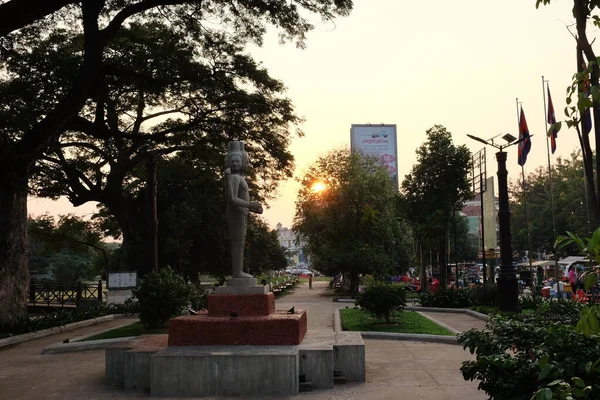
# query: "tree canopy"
(568, 188)
(352, 225)
(435, 189)
(161, 95)
(583, 96)
(90, 30)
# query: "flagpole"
(525, 202)
(550, 177)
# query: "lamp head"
(509, 138)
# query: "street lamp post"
(507, 278)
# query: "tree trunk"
(442, 262)
(14, 270)
(423, 272)
(584, 47)
(131, 221)
(354, 281)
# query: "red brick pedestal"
(243, 319)
(243, 305)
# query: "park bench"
(274, 287)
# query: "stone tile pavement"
(395, 369)
(460, 322)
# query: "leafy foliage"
(381, 299)
(435, 188)
(108, 74)
(446, 297)
(353, 226)
(198, 298)
(519, 354)
(484, 295)
(71, 247)
(25, 324)
(569, 209)
(162, 295)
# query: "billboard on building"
(379, 141)
(490, 215)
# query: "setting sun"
(318, 187)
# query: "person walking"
(310, 282)
(573, 279)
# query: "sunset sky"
(458, 63)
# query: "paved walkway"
(460, 322)
(319, 307)
(395, 369)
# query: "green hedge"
(26, 323)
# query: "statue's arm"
(232, 187)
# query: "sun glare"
(318, 187)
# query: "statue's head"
(236, 158)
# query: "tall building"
(291, 242)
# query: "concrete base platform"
(147, 364)
(349, 356)
(225, 371)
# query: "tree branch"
(144, 5)
(140, 113)
(47, 131)
(17, 14)
(87, 145)
(158, 114)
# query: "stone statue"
(238, 204)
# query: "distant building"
(289, 240)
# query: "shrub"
(25, 323)
(446, 297)
(522, 353)
(530, 301)
(198, 298)
(484, 295)
(563, 312)
(161, 295)
(381, 299)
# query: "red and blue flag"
(552, 121)
(525, 140)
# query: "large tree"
(434, 191)
(570, 214)
(347, 214)
(160, 95)
(192, 234)
(99, 22)
(583, 96)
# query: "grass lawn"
(402, 322)
(135, 329)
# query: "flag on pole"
(552, 121)
(525, 140)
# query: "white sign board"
(379, 141)
(122, 280)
